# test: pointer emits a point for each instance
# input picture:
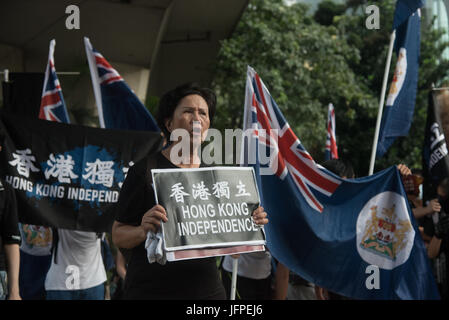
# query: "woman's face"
(191, 108)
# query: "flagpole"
(235, 265)
(235, 261)
(381, 103)
(94, 75)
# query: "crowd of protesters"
(63, 264)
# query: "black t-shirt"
(188, 279)
(9, 224)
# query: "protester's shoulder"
(141, 166)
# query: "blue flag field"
(398, 114)
(355, 237)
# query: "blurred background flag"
(52, 103)
(118, 106)
(329, 230)
(398, 115)
(404, 9)
(331, 140)
(435, 153)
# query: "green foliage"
(306, 65)
(151, 104)
(373, 46)
(326, 12)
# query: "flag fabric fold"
(118, 106)
(328, 230)
(331, 151)
(400, 105)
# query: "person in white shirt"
(77, 270)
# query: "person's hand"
(260, 216)
(320, 293)
(404, 170)
(421, 231)
(442, 227)
(151, 220)
(434, 205)
(235, 256)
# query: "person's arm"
(441, 232)
(120, 265)
(434, 248)
(127, 236)
(11, 242)
(12, 254)
(281, 282)
(433, 206)
(425, 237)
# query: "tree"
(305, 66)
(307, 62)
(373, 46)
(326, 12)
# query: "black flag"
(435, 153)
(68, 176)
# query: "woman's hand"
(404, 170)
(151, 220)
(321, 293)
(260, 216)
(434, 206)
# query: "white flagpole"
(235, 265)
(94, 76)
(381, 103)
(51, 52)
(247, 107)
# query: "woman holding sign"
(191, 108)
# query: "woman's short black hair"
(339, 167)
(170, 101)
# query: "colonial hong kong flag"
(52, 102)
(118, 106)
(398, 114)
(331, 140)
(355, 237)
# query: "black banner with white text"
(68, 176)
(435, 152)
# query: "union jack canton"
(287, 155)
(331, 141)
(52, 103)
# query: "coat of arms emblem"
(385, 233)
(399, 77)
